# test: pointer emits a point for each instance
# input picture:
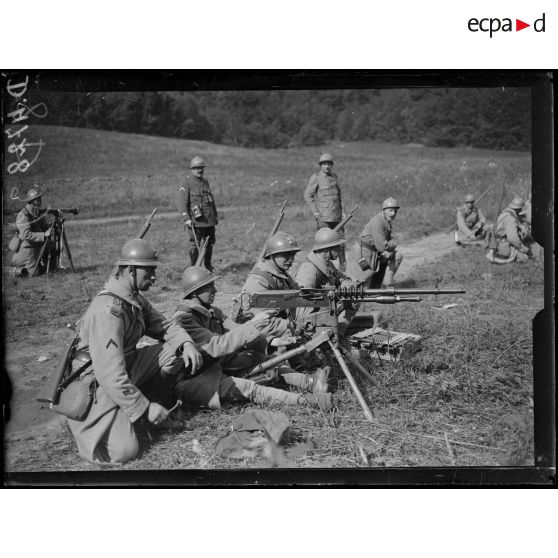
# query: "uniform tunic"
(110, 329)
(508, 232)
(469, 219)
(195, 202)
(31, 223)
(218, 338)
(266, 276)
(324, 196)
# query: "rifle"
(347, 218)
(237, 303)
(476, 201)
(51, 391)
(202, 249)
(323, 326)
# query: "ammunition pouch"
(15, 244)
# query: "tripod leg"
(337, 354)
(67, 248)
(41, 253)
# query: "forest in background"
(493, 118)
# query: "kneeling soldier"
(471, 223)
(378, 249)
(110, 329)
(318, 271)
(222, 342)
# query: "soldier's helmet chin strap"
(133, 279)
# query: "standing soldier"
(110, 329)
(197, 207)
(471, 223)
(224, 344)
(378, 249)
(509, 234)
(33, 230)
(318, 270)
(324, 198)
(272, 274)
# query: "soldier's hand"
(262, 320)
(283, 341)
(192, 358)
(188, 223)
(156, 413)
(316, 215)
(386, 254)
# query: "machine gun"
(62, 374)
(56, 242)
(321, 327)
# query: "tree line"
(495, 118)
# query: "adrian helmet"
(196, 277)
(326, 238)
(138, 252)
(197, 162)
(390, 203)
(33, 194)
(326, 158)
(469, 198)
(517, 203)
(281, 242)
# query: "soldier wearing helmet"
(318, 270)
(231, 351)
(273, 274)
(323, 196)
(33, 230)
(509, 234)
(378, 248)
(131, 383)
(471, 223)
(197, 208)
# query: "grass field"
(465, 399)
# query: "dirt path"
(28, 415)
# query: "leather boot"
(207, 257)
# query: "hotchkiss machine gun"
(56, 242)
(321, 328)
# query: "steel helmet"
(326, 238)
(33, 194)
(196, 277)
(197, 162)
(390, 203)
(326, 157)
(469, 198)
(281, 242)
(138, 252)
(517, 203)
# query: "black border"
(543, 180)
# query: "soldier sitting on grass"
(471, 223)
(231, 350)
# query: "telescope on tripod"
(53, 246)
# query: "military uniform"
(471, 223)
(375, 238)
(32, 224)
(266, 276)
(195, 202)
(220, 340)
(509, 232)
(315, 273)
(110, 329)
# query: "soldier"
(197, 207)
(110, 329)
(318, 270)
(33, 230)
(377, 247)
(324, 198)
(471, 223)
(509, 234)
(272, 274)
(224, 344)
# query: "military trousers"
(197, 234)
(107, 436)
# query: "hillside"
(112, 173)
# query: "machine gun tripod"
(56, 243)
